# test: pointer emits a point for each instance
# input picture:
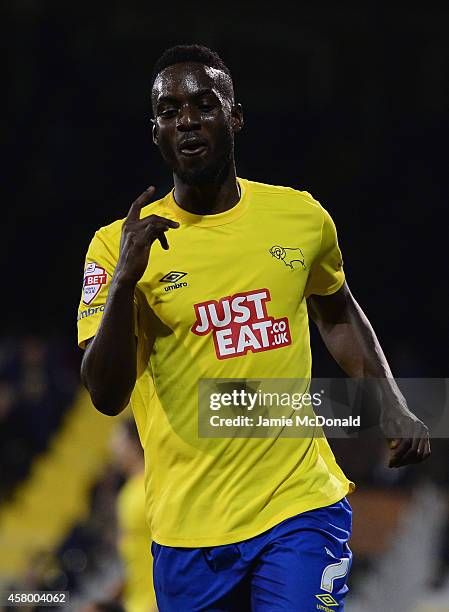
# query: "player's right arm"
(109, 367)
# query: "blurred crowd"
(38, 380)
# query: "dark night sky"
(348, 103)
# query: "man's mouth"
(192, 147)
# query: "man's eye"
(168, 112)
(206, 107)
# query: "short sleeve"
(326, 275)
(99, 268)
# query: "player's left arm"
(352, 342)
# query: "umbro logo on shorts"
(327, 600)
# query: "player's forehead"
(189, 79)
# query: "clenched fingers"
(410, 450)
(156, 230)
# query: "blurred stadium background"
(349, 102)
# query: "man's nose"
(188, 119)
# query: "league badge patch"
(94, 278)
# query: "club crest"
(289, 256)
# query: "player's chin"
(195, 173)
(192, 168)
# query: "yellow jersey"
(203, 309)
(134, 546)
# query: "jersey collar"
(212, 220)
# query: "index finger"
(137, 205)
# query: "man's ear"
(154, 132)
(237, 117)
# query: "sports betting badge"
(94, 278)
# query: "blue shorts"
(300, 565)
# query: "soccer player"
(135, 588)
(133, 543)
(192, 286)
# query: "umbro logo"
(173, 277)
(327, 600)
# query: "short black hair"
(189, 53)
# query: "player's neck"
(210, 198)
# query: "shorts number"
(332, 572)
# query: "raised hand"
(137, 237)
